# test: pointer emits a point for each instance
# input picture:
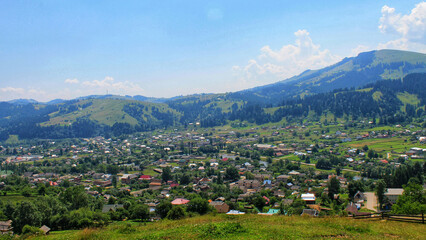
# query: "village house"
(309, 198)
(155, 185)
(262, 177)
(392, 194)
(111, 207)
(220, 206)
(137, 193)
(279, 193)
(145, 177)
(102, 183)
(310, 212)
(127, 178)
(359, 197)
(283, 178)
(6, 227)
(180, 201)
(151, 206)
(248, 184)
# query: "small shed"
(45, 229)
(310, 212)
(111, 207)
(220, 206)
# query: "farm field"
(384, 144)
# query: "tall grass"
(252, 227)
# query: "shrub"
(30, 230)
(177, 212)
(139, 211)
(198, 205)
(26, 192)
(219, 230)
(163, 208)
(126, 229)
(89, 234)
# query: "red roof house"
(180, 201)
(145, 177)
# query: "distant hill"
(84, 118)
(108, 112)
(107, 96)
(22, 101)
(357, 87)
(354, 72)
(389, 101)
(56, 101)
(126, 97)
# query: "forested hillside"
(368, 86)
(83, 118)
(367, 67)
(389, 102)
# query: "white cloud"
(359, 49)
(76, 89)
(273, 65)
(103, 83)
(72, 81)
(410, 28)
(33, 92)
(109, 84)
(9, 93)
(12, 90)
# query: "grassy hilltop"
(252, 227)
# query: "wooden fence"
(392, 217)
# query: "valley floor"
(252, 227)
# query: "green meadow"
(251, 227)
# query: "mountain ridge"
(293, 101)
(399, 64)
(357, 71)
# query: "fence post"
(423, 218)
(383, 215)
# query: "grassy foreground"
(251, 227)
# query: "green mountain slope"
(84, 118)
(392, 101)
(324, 91)
(355, 72)
(106, 112)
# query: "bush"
(90, 234)
(198, 205)
(220, 230)
(163, 208)
(139, 211)
(177, 212)
(119, 214)
(30, 230)
(80, 218)
(26, 192)
(126, 229)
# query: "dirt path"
(371, 201)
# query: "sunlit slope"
(107, 112)
(367, 67)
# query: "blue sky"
(65, 49)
